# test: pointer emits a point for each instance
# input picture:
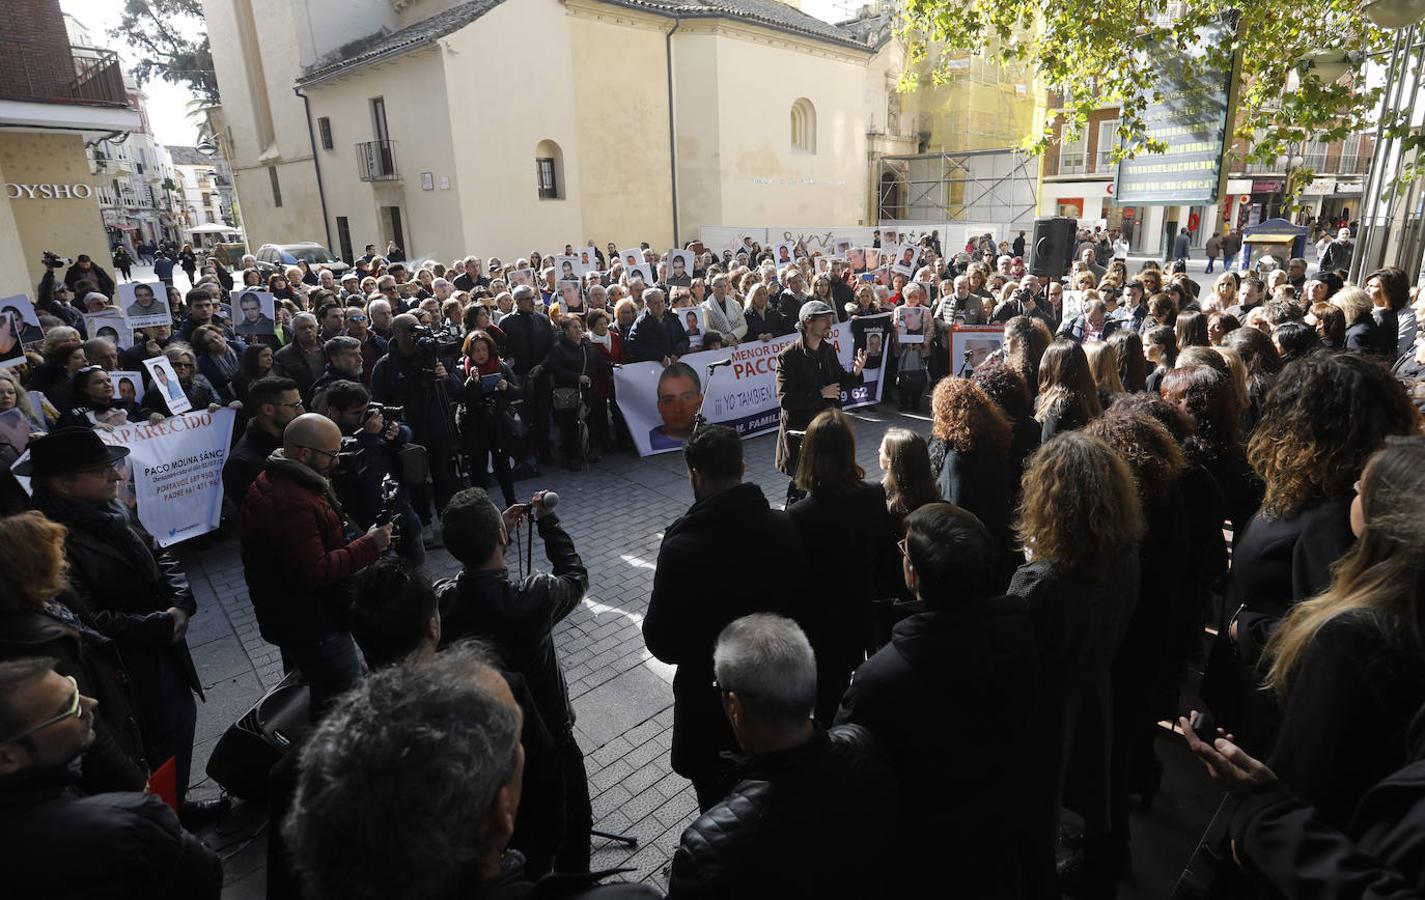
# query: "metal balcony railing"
(376, 161)
(61, 74)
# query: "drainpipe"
(317, 164)
(672, 125)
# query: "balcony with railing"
(376, 161)
(42, 74)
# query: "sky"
(167, 103)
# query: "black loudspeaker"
(249, 749)
(1052, 252)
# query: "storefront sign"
(1269, 186)
(77, 191)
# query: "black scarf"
(108, 521)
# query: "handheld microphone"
(720, 363)
(548, 502)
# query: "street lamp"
(1394, 14)
(206, 146)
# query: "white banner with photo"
(835, 240)
(660, 404)
(177, 470)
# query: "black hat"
(69, 450)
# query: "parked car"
(277, 257)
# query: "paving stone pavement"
(615, 513)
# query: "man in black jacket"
(61, 842)
(813, 812)
(963, 801)
(688, 610)
(519, 620)
(273, 402)
(530, 335)
(129, 588)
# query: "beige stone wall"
(69, 227)
(418, 121)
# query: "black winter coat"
(519, 618)
(817, 820)
(979, 482)
(801, 374)
(566, 362)
(834, 600)
(528, 338)
(651, 339)
(115, 761)
(964, 799)
(124, 584)
(1380, 855)
(247, 460)
(769, 321)
(688, 609)
(480, 415)
(61, 842)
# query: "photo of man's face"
(873, 344)
(679, 267)
(143, 295)
(980, 350)
(568, 269)
(126, 389)
(679, 398)
(251, 309)
(692, 322)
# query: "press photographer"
(518, 617)
(419, 375)
(368, 474)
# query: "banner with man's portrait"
(145, 304)
(660, 403)
(255, 312)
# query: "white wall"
(324, 26)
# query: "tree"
(156, 28)
(1092, 53)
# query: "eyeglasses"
(356, 318)
(728, 690)
(73, 711)
(182, 365)
(903, 545)
(296, 404)
(333, 455)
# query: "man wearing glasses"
(133, 592)
(273, 402)
(61, 842)
(298, 562)
(373, 346)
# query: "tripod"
(447, 421)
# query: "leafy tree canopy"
(160, 30)
(1095, 53)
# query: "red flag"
(163, 783)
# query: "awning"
(214, 228)
(1269, 239)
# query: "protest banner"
(177, 471)
(173, 476)
(660, 404)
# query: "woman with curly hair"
(1349, 664)
(1068, 397)
(1201, 386)
(969, 456)
(1006, 387)
(1080, 523)
(1322, 420)
(1146, 670)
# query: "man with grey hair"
(344, 363)
(813, 814)
(378, 310)
(442, 289)
(656, 337)
(472, 278)
(303, 360)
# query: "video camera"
(431, 345)
(390, 491)
(386, 411)
(52, 260)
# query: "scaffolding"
(981, 186)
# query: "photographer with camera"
(369, 445)
(518, 618)
(55, 298)
(297, 558)
(419, 375)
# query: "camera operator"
(297, 558)
(519, 619)
(809, 379)
(368, 456)
(406, 377)
(55, 299)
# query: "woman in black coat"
(573, 364)
(969, 456)
(188, 262)
(1068, 396)
(485, 417)
(1080, 523)
(1322, 420)
(841, 511)
(37, 619)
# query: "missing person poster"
(660, 403)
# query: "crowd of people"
(1143, 483)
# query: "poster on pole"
(660, 403)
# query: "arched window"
(804, 126)
(549, 170)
